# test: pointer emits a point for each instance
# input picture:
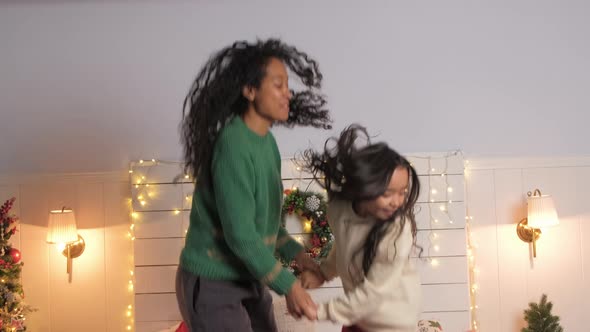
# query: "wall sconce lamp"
(540, 213)
(62, 230)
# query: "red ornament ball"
(15, 254)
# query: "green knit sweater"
(235, 223)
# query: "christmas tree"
(540, 319)
(12, 307)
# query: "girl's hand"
(311, 279)
(306, 263)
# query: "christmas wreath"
(311, 208)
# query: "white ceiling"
(87, 87)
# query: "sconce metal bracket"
(76, 248)
(526, 233)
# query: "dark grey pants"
(223, 306)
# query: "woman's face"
(384, 206)
(271, 99)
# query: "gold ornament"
(324, 239)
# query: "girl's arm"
(384, 277)
(326, 272)
(328, 266)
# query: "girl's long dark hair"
(216, 95)
(359, 173)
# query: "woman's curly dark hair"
(356, 173)
(216, 95)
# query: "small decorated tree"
(12, 308)
(540, 319)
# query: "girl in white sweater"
(372, 191)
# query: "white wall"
(496, 190)
(90, 85)
(98, 296)
(509, 277)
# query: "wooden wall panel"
(440, 218)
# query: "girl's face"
(384, 206)
(271, 99)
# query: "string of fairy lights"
(439, 197)
(473, 269)
(145, 190)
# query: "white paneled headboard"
(161, 203)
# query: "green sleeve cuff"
(287, 247)
(283, 282)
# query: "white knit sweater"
(389, 297)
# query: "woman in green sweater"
(228, 258)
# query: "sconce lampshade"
(541, 211)
(62, 227)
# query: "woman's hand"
(299, 303)
(311, 279)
